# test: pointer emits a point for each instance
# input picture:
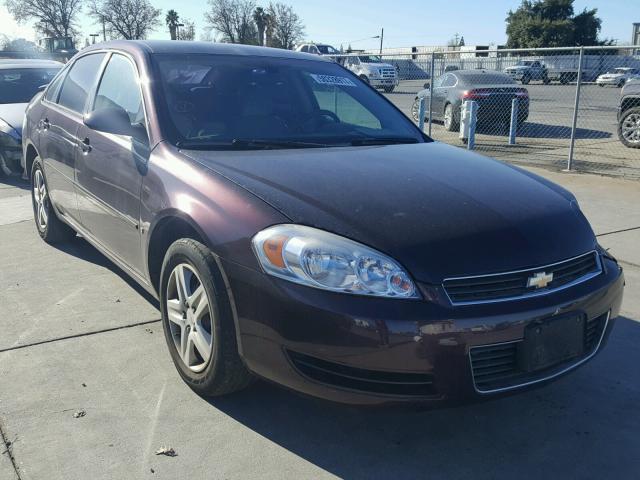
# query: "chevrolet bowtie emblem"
(540, 280)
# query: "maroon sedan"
(297, 227)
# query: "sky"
(405, 22)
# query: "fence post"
(431, 74)
(421, 114)
(575, 110)
(473, 117)
(513, 128)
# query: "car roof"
(28, 63)
(190, 48)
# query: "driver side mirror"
(113, 120)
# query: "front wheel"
(546, 80)
(198, 322)
(50, 228)
(389, 89)
(365, 79)
(629, 128)
(526, 79)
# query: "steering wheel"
(327, 114)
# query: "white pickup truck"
(372, 70)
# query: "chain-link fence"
(548, 107)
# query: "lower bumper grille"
(498, 367)
(369, 381)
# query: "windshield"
(19, 85)
(619, 70)
(370, 59)
(327, 49)
(524, 64)
(224, 100)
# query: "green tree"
(260, 19)
(172, 20)
(552, 23)
(288, 29)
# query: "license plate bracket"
(551, 341)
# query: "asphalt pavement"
(88, 391)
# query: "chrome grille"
(514, 285)
(388, 73)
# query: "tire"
(415, 109)
(546, 80)
(564, 79)
(50, 228)
(389, 89)
(223, 372)
(601, 84)
(451, 118)
(629, 128)
(525, 80)
(365, 79)
(621, 84)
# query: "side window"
(79, 81)
(54, 88)
(305, 48)
(449, 81)
(313, 49)
(119, 87)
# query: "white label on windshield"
(332, 80)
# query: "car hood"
(13, 114)
(438, 210)
(378, 65)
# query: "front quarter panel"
(224, 214)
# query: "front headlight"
(8, 141)
(320, 259)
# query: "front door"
(111, 167)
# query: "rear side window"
(449, 81)
(305, 49)
(79, 81)
(119, 87)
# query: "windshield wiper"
(242, 143)
(266, 143)
(356, 142)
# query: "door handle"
(44, 124)
(85, 145)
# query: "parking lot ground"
(544, 139)
(78, 336)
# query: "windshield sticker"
(333, 80)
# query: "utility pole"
(178, 25)
(104, 29)
(381, 39)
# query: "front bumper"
(609, 81)
(383, 82)
(371, 351)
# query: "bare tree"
(233, 19)
(187, 31)
(287, 26)
(127, 19)
(54, 17)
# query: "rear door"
(111, 167)
(58, 128)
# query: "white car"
(618, 76)
(317, 49)
(373, 70)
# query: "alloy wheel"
(631, 128)
(190, 317)
(415, 110)
(41, 200)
